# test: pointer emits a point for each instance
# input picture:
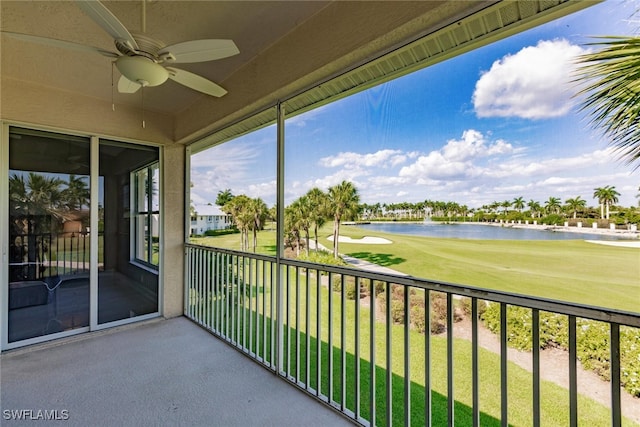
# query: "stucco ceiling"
(285, 47)
(254, 26)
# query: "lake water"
(479, 231)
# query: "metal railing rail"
(35, 256)
(347, 360)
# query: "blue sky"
(491, 125)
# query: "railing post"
(504, 413)
(280, 237)
(573, 373)
(213, 281)
(475, 366)
(187, 273)
(450, 364)
(535, 338)
(616, 415)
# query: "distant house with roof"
(209, 217)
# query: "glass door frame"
(4, 234)
(94, 232)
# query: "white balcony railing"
(332, 332)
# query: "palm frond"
(612, 92)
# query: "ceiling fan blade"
(108, 21)
(60, 43)
(127, 86)
(196, 82)
(198, 51)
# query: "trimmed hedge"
(322, 257)
(592, 341)
(417, 309)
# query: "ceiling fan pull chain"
(143, 123)
(113, 104)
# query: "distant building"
(209, 217)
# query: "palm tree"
(534, 207)
(241, 216)
(38, 195)
(574, 204)
(291, 227)
(611, 199)
(612, 92)
(552, 205)
(318, 213)
(259, 212)
(224, 197)
(599, 194)
(518, 203)
(298, 218)
(506, 205)
(76, 195)
(343, 203)
(33, 204)
(606, 197)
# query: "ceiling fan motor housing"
(142, 70)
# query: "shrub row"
(222, 232)
(592, 341)
(416, 303)
(592, 337)
(321, 257)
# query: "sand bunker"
(367, 240)
(622, 243)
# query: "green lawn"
(565, 270)
(569, 270)
(554, 400)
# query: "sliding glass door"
(79, 256)
(129, 217)
(48, 230)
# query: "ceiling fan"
(142, 60)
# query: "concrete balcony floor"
(157, 373)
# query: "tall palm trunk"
(336, 233)
(255, 240)
(306, 236)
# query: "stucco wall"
(174, 234)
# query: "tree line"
(606, 197)
(306, 214)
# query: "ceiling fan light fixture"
(142, 70)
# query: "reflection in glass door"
(49, 242)
(69, 268)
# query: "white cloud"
(456, 159)
(528, 167)
(473, 144)
(233, 166)
(265, 190)
(387, 181)
(528, 84)
(336, 178)
(381, 158)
